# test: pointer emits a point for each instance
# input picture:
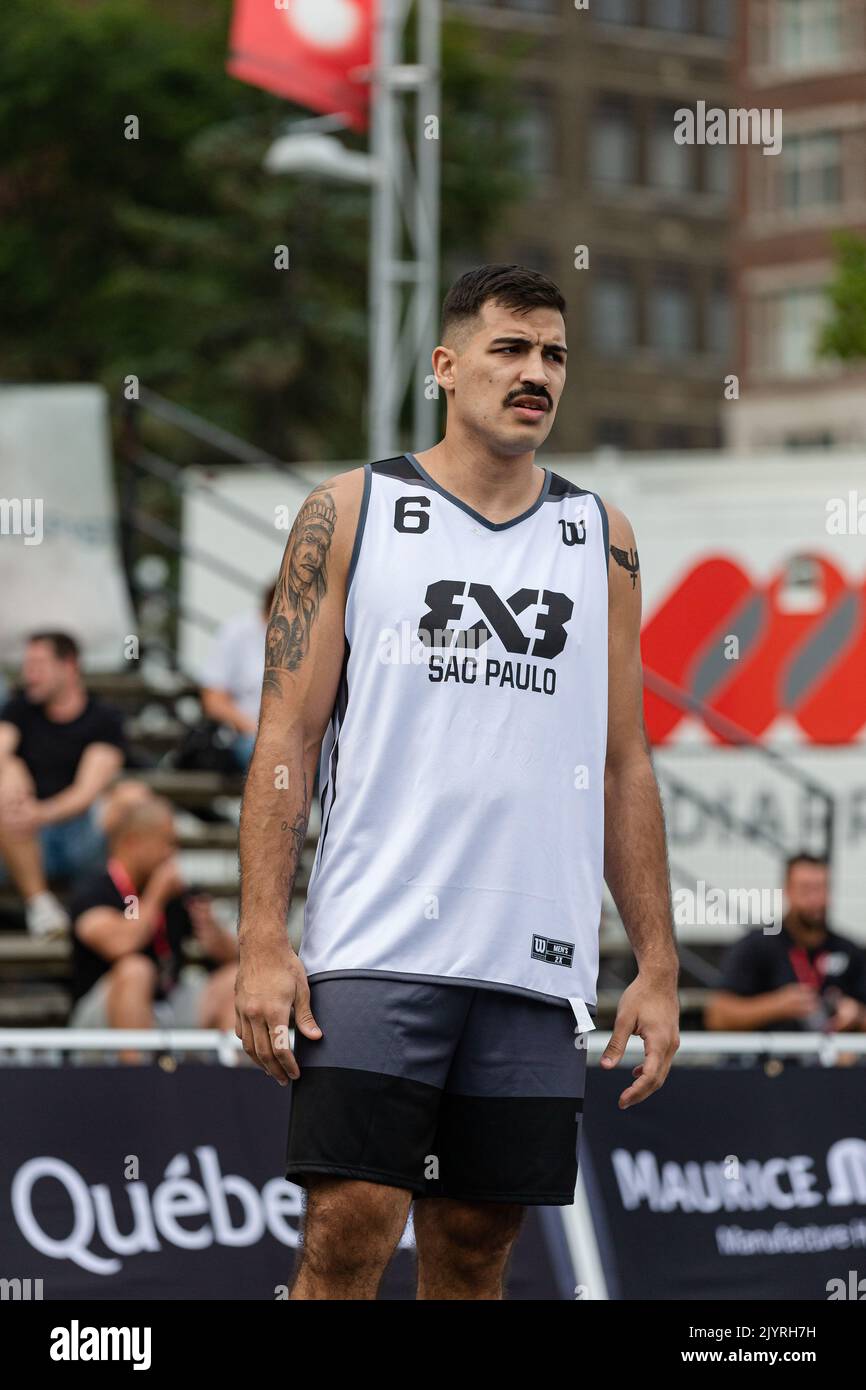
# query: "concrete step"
(190, 788)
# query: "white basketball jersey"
(462, 774)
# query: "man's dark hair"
(268, 597)
(511, 286)
(63, 646)
(804, 857)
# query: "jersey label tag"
(553, 952)
(582, 1014)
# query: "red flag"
(307, 50)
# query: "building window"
(614, 311)
(719, 18)
(717, 170)
(718, 323)
(535, 136)
(785, 328)
(534, 256)
(614, 144)
(811, 171)
(818, 439)
(671, 166)
(680, 15)
(673, 437)
(671, 316)
(802, 314)
(534, 6)
(615, 11)
(612, 434)
(806, 34)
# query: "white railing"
(228, 1048)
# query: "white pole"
(402, 336)
(383, 230)
(425, 414)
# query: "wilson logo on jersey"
(447, 600)
(573, 532)
(553, 952)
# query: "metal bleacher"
(159, 701)
(34, 973)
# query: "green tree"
(156, 256)
(844, 336)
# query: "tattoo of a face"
(629, 561)
(302, 584)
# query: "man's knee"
(470, 1237)
(351, 1228)
(15, 778)
(133, 971)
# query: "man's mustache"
(538, 395)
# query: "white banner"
(60, 566)
(223, 548)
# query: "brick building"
(807, 58)
(649, 322)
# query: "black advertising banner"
(730, 1183)
(141, 1183)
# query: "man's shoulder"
(103, 712)
(759, 941)
(334, 510)
(834, 941)
(95, 889)
(16, 708)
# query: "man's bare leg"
(129, 1001)
(350, 1233)
(217, 1003)
(21, 853)
(463, 1247)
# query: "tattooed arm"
(303, 659)
(635, 855)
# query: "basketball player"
(454, 640)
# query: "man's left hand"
(650, 1009)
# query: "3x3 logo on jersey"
(445, 603)
(530, 622)
(438, 628)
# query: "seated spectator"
(232, 684)
(130, 923)
(804, 977)
(60, 747)
(119, 799)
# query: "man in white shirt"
(232, 677)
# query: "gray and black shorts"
(448, 1090)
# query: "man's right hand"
(794, 1001)
(166, 881)
(271, 983)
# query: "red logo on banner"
(810, 665)
(311, 51)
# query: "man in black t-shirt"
(60, 748)
(130, 919)
(802, 977)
